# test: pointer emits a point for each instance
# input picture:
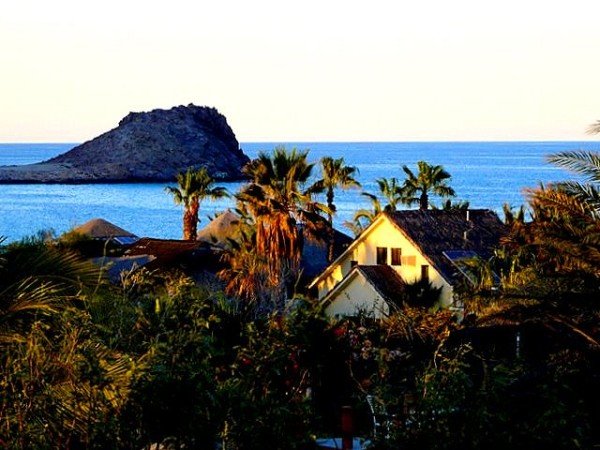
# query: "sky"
(304, 70)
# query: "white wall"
(357, 295)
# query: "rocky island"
(145, 147)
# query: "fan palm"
(429, 180)
(335, 174)
(281, 210)
(193, 186)
(37, 281)
(389, 189)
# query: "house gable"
(383, 233)
(416, 244)
(355, 294)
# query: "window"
(425, 273)
(396, 257)
(381, 255)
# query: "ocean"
(487, 174)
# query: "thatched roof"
(314, 253)
(221, 228)
(102, 229)
(440, 233)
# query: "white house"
(403, 247)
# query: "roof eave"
(351, 247)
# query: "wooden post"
(347, 428)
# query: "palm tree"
(282, 212)
(566, 225)
(389, 189)
(36, 282)
(193, 187)
(429, 180)
(587, 165)
(364, 217)
(449, 205)
(335, 174)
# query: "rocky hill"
(145, 147)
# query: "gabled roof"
(434, 232)
(383, 279)
(100, 228)
(437, 233)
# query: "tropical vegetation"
(159, 360)
(335, 174)
(194, 186)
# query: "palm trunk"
(330, 232)
(424, 201)
(190, 222)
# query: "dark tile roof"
(439, 231)
(115, 265)
(169, 252)
(385, 280)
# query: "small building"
(101, 238)
(403, 247)
(225, 227)
(189, 256)
(101, 229)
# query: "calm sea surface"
(487, 174)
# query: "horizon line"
(337, 141)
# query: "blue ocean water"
(487, 174)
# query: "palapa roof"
(439, 233)
(220, 229)
(102, 229)
(314, 253)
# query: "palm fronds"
(584, 163)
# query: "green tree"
(389, 189)
(585, 164)
(429, 180)
(335, 174)
(193, 187)
(282, 213)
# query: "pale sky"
(310, 70)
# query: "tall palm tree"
(281, 209)
(193, 186)
(335, 174)
(429, 180)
